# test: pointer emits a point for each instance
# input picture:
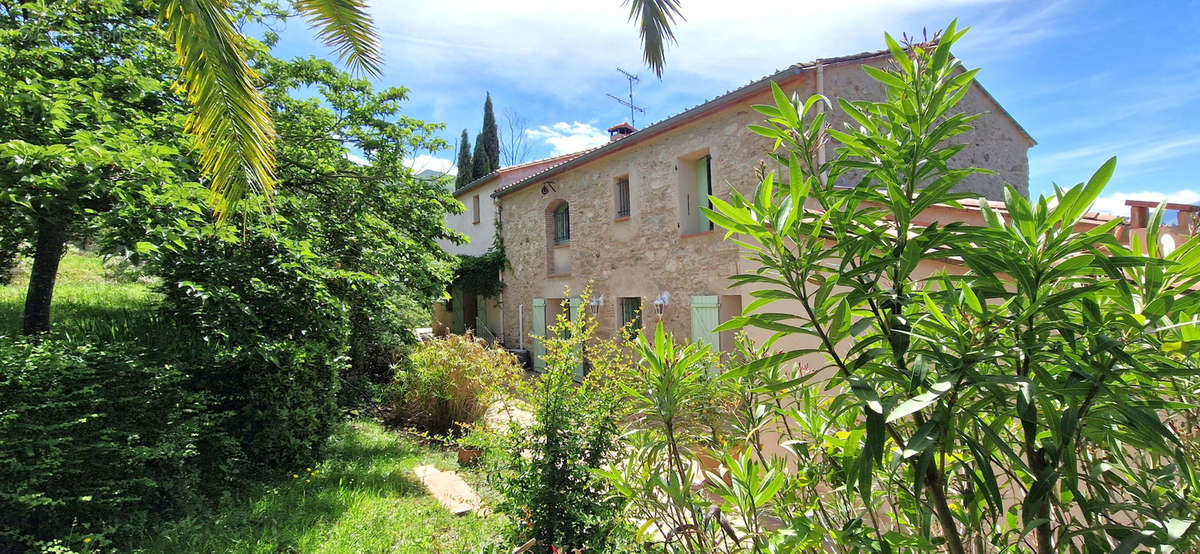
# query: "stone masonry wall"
(645, 254)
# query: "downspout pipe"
(821, 109)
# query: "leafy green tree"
(376, 223)
(480, 164)
(490, 136)
(372, 228)
(465, 165)
(88, 112)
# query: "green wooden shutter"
(539, 333)
(703, 190)
(704, 319)
(631, 311)
(576, 304)
(456, 300)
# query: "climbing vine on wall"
(480, 275)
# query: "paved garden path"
(449, 489)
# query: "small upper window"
(562, 224)
(622, 196)
(475, 208)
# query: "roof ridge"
(543, 160)
(665, 125)
(562, 158)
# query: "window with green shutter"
(705, 318)
(703, 191)
(631, 316)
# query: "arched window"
(562, 224)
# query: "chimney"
(620, 131)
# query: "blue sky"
(1087, 79)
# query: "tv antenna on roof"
(632, 108)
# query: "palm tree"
(230, 119)
(654, 19)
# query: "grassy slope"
(362, 498)
(85, 297)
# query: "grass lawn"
(362, 498)
(87, 299)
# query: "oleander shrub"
(95, 441)
(1021, 402)
(451, 381)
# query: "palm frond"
(230, 119)
(654, 19)
(346, 27)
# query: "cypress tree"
(480, 163)
(490, 136)
(465, 165)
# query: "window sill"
(558, 275)
(698, 234)
(621, 218)
(563, 245)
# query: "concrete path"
(449, 489)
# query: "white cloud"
(568, 137)
(565, 48)
(425, 161)
(357, 159)
(1135, 154)
(1115, 203)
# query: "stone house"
(462, 312)
(624, 217)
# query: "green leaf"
(1037, 495)
(866, 393)
(920, 401)
(971, 300)
(924, 439)
(346, 27)
(884, 77)
(654, 20)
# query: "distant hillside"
(432, 175)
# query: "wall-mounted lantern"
(595, 304)
(660, 303)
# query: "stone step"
(449, 489)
